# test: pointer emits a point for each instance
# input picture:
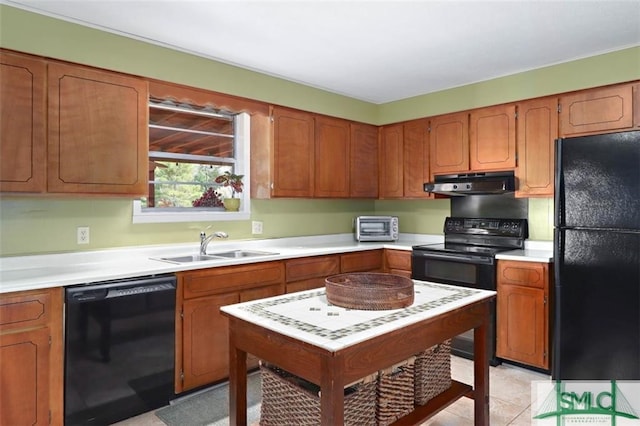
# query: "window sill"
(140, 216)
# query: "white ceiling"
(376, 51)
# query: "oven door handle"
(467, 258)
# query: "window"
(189, 147)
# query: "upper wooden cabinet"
(23, 123)
(600, 110)
(416, 158)
(90, 137)
(537, 131)
(449, 143)
(332, 157)
(404, 159)
(293, 156)
(391, 161)
(316, 156)
(363, 178)
(98, 135)
(492, 138)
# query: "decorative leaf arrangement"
(228, 179)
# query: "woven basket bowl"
(369, 291)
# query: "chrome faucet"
(204, 240)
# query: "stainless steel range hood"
(472, 183)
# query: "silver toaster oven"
(376, 228)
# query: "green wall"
(45, 225)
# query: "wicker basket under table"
(395, 392)
(290, 400)
(432, 372)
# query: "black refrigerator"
(597, 258)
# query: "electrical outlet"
(256, 227)
(83, 235)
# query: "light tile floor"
(509, 389)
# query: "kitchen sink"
(236, 254)
(189, 258)
(231, 254)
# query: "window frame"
(242, 138)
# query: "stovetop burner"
(462, 248)
(480, 236)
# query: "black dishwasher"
(119, 349)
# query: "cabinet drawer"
(398, 259)
(312, 267)
(222, 280)
(528, 274)
(25, 309)
(361, 261)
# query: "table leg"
(331, 393)
(481, 372)
(237, 384)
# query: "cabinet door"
(537, 132)
(309, 272)
(363, 180)
(205, 340)
(398, 262)
(492, 138)
(449, 143)
(416, 158)
(294, 152)
(362, 261)
(255, 294)
(22, 123)
(24, 374)
(522, 326)
(391, 162)
(598, 110)
(98, 135)
(332, 150)
(522, 317)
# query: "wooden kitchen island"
(333, 347)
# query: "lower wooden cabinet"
(362, 261)
(523, 321)
(398, 262)
(202, 340)
(31, 366)
(306, 273)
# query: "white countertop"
(55, 270)
(534, 251)
(19, 273)
(308, 316)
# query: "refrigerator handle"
(558, 202)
